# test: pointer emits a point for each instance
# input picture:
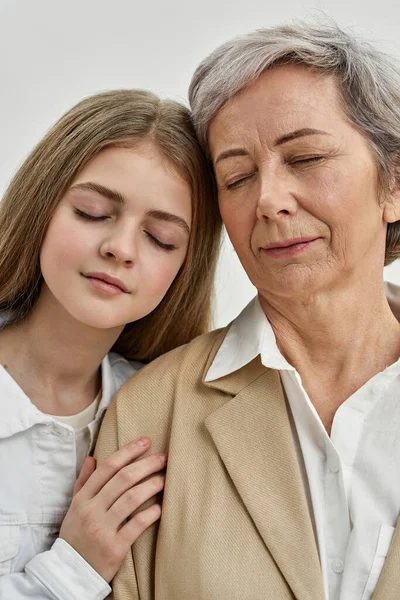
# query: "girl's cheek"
(164, 273)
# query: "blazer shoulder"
(176, 363)
(148, 396)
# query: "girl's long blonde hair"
(118, 118)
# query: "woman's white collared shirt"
(38, 465)
(352, 479)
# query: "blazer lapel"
(388, 587)
(253, 436)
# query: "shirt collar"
(18, 413)
(109, 386)
(251, 335)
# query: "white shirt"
(38, 465)
(79, 423)
(352, 479)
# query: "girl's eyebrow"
(91, 186)
(162, 215)
(118, 198)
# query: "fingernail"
(164, 457)
(142, 442)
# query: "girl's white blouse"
(38, 465)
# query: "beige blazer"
(235, 522)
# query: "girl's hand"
(104, 498)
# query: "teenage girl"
(109, 234)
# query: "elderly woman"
(283, 430)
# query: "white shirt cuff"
(67, 575)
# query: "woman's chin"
(294, 284)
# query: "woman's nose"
(275, 200)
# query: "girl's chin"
(101, 322)
(106, 319)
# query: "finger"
(129, 533)
(128, 477)
(133, 499)
(113, 464)
(88, 468)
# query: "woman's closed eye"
(306, 160)
(237, 182)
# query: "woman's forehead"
(282, 100)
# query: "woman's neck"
(54, 358)
(337, 341)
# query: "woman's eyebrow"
(162, 215)
(91, 186)
(288, 137)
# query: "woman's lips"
(289, 248)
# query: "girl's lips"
(104, 286)
(289, 248)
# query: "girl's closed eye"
(154, 240)
(89, 217)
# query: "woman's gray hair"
(368, 79)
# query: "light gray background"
(53, 53)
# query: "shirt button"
(379, 389)
(333, 464)
(337, 566)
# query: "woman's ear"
(391, 208)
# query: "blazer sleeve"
(144, 406)
(107, 440)
(130, 577)
(124, 585)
